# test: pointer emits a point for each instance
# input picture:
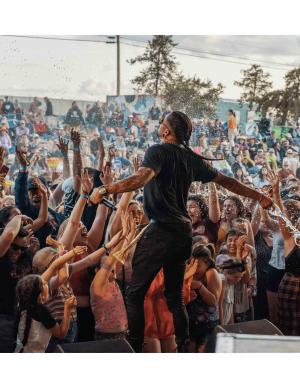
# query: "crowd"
(66, 263)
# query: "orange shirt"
(232, 123)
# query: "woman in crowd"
(205, 218)
(232, 208)
(232, 127)
(206, 288)
(106, 298)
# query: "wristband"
(64, 154)
(84, 196)
(23, 169)
(76, 149)
(106, 249)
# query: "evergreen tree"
(192, 95)
(255, 84)
(160, 63)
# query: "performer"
(167, 172)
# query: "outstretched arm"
(133, 182)
(58, 263)
(239, 188)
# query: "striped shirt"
(56, 303)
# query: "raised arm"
(77, 161)
(95, 234)
(94, 257)
(59, 262)
(255, 221)
(214, 212)
(101, 153)
(63, 146)
(43, 212)
(68, 237)
(21, 192)
(9, 233)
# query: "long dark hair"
(204, 253)
(5, 214)
(200, 201)
(238, 203)
(27, 292)
(182, 127)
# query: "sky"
(84, 67)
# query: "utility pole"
(118, 66)
(112, 40)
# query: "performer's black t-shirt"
(165, 196)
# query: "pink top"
(109, 311)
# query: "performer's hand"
(265, 202)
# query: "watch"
(103, 190)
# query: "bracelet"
(107, 250)
(64, 154)
(76, 148)
(23, 169)
(84, 196)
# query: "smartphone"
(4, 171)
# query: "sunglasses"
(17, 247)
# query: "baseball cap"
(31, 185)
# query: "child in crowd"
(35, 324)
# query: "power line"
(178, 50)
(220, 54)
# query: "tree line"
(198, 97)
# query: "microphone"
(108, 204)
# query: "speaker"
(105, 346)
(247, 343)
(262, 327)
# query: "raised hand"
(34, 245)
(70, 302)
(63, 145)
(75, 137)
(41, 186)
(136, 164)
(115, 240)
(79, 250)
(107, 177)
(86, 183)
(101, 147)
(26, 220)
(273, 179)
(111, 153)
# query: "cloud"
(94, 88)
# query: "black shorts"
(274, 277)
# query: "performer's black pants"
(167, 246)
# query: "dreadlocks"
(182, 127)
